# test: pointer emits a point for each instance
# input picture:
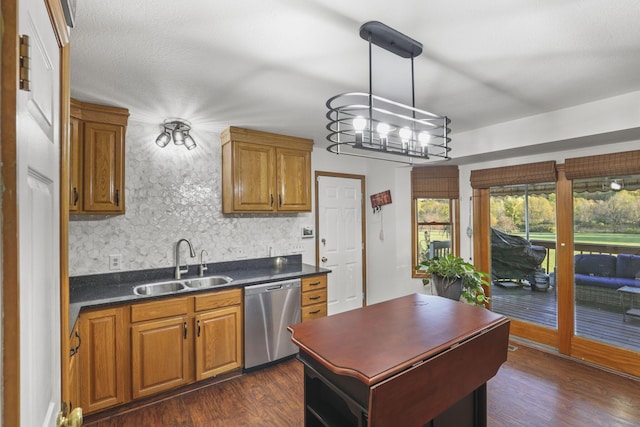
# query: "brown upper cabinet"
(96, 164)
(265, 172)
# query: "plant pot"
(447, 287)
(539, 281)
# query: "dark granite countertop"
(101, 290)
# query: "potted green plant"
(453, 277)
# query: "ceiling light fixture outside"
(178, 129)
(616, 185)
(380, 126)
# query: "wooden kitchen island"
(412, 361)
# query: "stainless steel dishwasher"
(268, 309)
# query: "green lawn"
(597, 238)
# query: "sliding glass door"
(584, 296)
(523, 236)
(606, 218)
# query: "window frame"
(435, 182)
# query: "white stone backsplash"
(172, 193)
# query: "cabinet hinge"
(25, 81)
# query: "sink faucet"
(179, 271)
(202, 267)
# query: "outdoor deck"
(602, 323)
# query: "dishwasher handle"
(282, 285)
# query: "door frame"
(10, 237)
(361, 178)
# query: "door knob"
(324, 259)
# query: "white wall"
(389, 235)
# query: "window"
(435, 216)
(433, 220)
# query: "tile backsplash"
(172, 193)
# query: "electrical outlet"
(115, 262)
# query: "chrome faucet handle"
(202, 267)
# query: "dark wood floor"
(600, 323)
(532, 389)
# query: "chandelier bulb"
(359, 123)
(383, 129)
(405, 133)
(424, 138)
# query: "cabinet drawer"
(159, 309)
(314, 297)
(314, 311)
(218, 299)
(314, 282)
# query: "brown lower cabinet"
(159, 356)
(138, 350)
(103, 350)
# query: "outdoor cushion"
(596, 265)
(605, 282)
(628, 266)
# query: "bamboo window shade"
(435, 182)
(614, 164)
(529, 173)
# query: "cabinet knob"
(76, 195)
(323, 259)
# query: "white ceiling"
(272, 64)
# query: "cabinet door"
(102, 373)
(75, 165)
(159, 355)
(293, 180)
(218, 341)
(253, 177)
(103, 188)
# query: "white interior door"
(38, 141)
(341, 245)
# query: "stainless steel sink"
(159, 288)
(207, 282)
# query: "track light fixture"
(178, 129)
(382, 127)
